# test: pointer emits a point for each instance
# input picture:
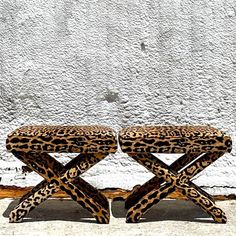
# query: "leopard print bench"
(71, 139)
(200, 146)
(32, 145)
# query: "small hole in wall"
(143, 47)
(111, 97)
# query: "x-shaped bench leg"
(155, 182)
(172, 181)
(85, 162)
(59, 177)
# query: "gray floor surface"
(169, 217)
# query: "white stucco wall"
(118, 63)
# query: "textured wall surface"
(118, 63)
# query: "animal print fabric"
(173, 139)
(71, 139)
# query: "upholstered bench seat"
(173, 139)
(200, 146)
(49, 138)
(33, 144)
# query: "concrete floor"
(169, 217)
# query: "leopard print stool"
(31, 145)
(200, 146)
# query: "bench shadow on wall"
(68, 210)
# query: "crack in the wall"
(219, 186)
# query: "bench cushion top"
(62, 138)
(173, 139)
